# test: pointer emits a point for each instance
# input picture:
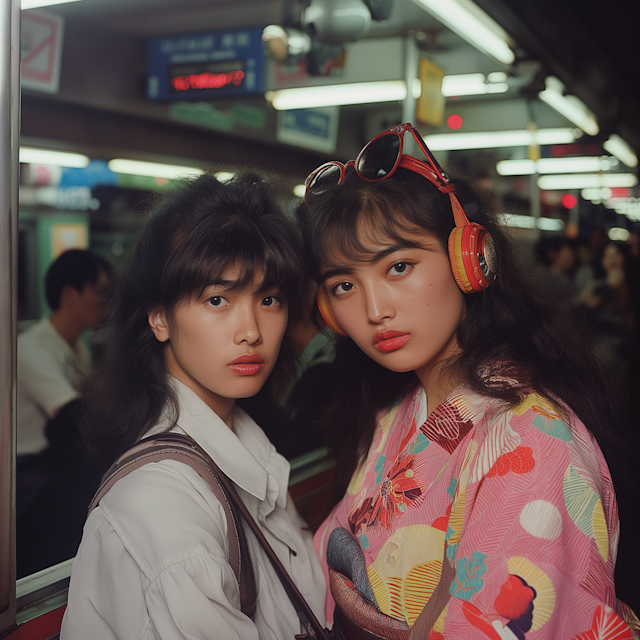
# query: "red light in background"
(206, 80)
(569, 201)
(454, 121)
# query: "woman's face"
(612, 258)
(401, 304)
(224, 344)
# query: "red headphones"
(472, 253)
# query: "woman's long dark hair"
(512, 330)
(194, 232)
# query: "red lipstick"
(390, 340)
(247, 365)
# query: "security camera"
(336, 21)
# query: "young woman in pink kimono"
(472, 493)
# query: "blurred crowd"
(602, 278)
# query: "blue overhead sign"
(205, 65)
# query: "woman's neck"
(438, 383)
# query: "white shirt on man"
(153, 562)
(49, 372)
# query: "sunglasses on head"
(471, 250)
(378, 160)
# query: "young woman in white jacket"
(198, 320)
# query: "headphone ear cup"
(322, 298)
(473, 257)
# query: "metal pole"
(411, 58)
(9, 168)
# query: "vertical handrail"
(9, 167)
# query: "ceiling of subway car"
(558, 37)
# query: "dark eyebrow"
(225, 284)
(373, 256)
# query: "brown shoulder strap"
(174, 446)
(308, 619)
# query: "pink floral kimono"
(518, 503)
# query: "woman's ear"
(158, 323)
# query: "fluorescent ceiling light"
(596, 194)
(570, 107)
(33, 4)
(584, 164)
(585, 181)
(617, 147)
(499, 139)
(337, 94)
(380, 91)
(618, 234)
(151, 169)
(529, 222)
(471, 84)
(473, 25)
(629, 208)
(30, 155)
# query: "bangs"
(349, 219)
(203, 255)
(366, 229)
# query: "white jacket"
(153, 562)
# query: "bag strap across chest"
(182, 448)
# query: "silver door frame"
(9, 180)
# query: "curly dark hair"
(193, 233)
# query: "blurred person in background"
(558, 259)
(611, 300)
(54, 479)
(53, 359)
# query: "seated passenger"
(52, 361)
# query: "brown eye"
(399, 268)
(342, 288)
(217, 301)
(271, 301)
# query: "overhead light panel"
(473, 25)
(570, 107)
(152, 169)
(337, 95)
(30, 155)
(582, 164)
(618, 234)
(34, 4)
(586, 181)
(530, 222)
(471, 84)
(499, 139)
(617, 147)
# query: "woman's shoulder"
(164, 512)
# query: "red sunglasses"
(378, 160)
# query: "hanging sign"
(206, 65)
(41, 50)
(315, 129)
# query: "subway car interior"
(106, 102)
